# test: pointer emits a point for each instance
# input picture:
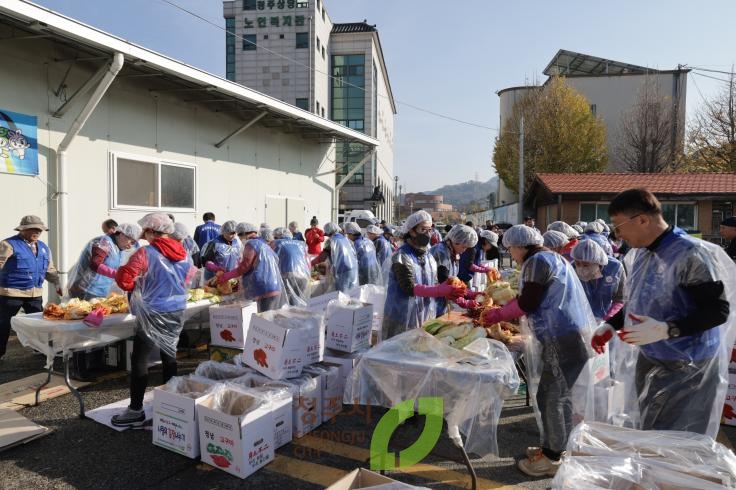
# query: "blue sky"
(451, 56)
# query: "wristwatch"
(673, 330)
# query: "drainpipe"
(111, 72)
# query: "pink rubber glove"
(602, 335)
(438, 291)
(468, 304)
(508, 312)
(106, 271)
(226, 276)
(469, 294)
(479, 268)
(212, 267)
(94, 318)
(615, 307)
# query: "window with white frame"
(682, 214)
(140, 182)
(590, 211)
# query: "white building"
(119, 131)
(612, 88)
(293, 51)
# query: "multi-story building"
(292, 51)
(612, 88)
(432, 203)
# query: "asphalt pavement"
(83, 454)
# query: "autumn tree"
(561, 134)
(648, 139)
(712, 135)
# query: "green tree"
(561, 134)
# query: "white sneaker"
(538, 465)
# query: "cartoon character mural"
(18, 143)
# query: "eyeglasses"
(616, 227)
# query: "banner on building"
(18, 143)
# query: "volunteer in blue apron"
(384, 249)
(447, 255)
(222, 252)
(369, 269)
(294, 266)
(602, 278)
(343, 260)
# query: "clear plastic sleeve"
(369, 269)
(220, 370)
(343, 264)
(295, 270)
(473, 383)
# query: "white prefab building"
(118, 131)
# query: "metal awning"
(570, 63)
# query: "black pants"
(676, 395)
(9, 307)
(142, 348)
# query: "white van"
(362, 217)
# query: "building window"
(317, 110)
(302, 40)
(230, 48)
(348, 94)
(149, 183)
(590, 211)
(302, 5)
(323, 52)
(281, 36)
(347, 155)
(249, 4)
(681, 214)
(322, 111)
(318, 46)
(323, 12)
(265, 36)
(249, 42)
(302, 103)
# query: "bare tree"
(647, 142)
(712, 137)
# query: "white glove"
(647, 331)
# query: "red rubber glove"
(94, 318)
(212, 267)
(468, 304)
(106, 271)
(479, 268)
(226, 276)
(602, 335)
(438, 291)
(508, 312)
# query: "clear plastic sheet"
(233, 399)
(369, 269)
(374, 295)
(295, 270)
(343, 264)
(192, 386)
(84, 283)
(473, 383)
(220, 370)
(265, 276)
(683, 381)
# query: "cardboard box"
(281, 400)
(175, 416)
(729, 405)
(332, 388)
(346, 361)
(732, 364)
(222, 354)
(241, 442)
(362, 478)
(229, 323)
(318, 304)
(348, 328)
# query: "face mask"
(421, 240)
(588, 272)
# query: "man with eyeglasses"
(676, 318)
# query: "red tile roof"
(696, 183)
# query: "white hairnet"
(159, 222)
(582, 224)
(180, 231)
(555, 239)
(245, 227)
(463, 235)
(577, 228)
(264, 225)
(589, 251)
(563, 227)
(416, 218)
(374, 230)
(595, 227)
(522, 236)
(331, 228)
(266, 234)
(131, 230)
(293, 224)
(228, 227)
(389, 229)
(351, 228)
(281, 232)
(490, 236)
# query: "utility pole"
(521, 170)
(396, 199)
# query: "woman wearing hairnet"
(412, 280)
(245, 232)
(294, 266)
(181, 233)
(343, 260)
(488, 246)
(94, 274)
(261, 276)
(555, 240)
(570, 232)
(369, 270)
(222, 252)
(594, 231)
(602, 278)
(157, 275)
(554, 302)
(447, 254)
(384, 249)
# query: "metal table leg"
(48, 378)
(68, 382)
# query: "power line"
(406, 104)
(713, 71)
(730, 82)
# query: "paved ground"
(83, 454)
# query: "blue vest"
(206, 232)
(265, 276)
(227, 254)
(652, 287)
(444, 257)
(162, 286)
(23, 270)
(402, 312)
(600, 291)
(87, 280)
(292, 256)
